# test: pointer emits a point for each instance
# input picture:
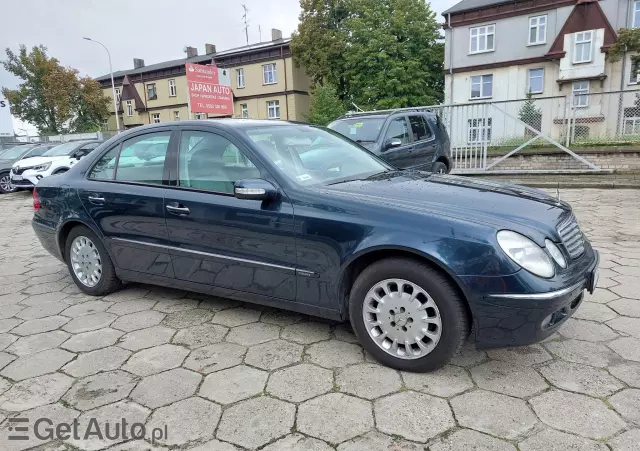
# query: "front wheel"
(5, 184)
(408, 315)
(439, 168)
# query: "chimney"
(276, 34)
(138, 63)
(209, 48)
(191, 52)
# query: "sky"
(154, 30)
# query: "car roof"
(386, 113)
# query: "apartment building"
(264, 80)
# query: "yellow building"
(265, 83)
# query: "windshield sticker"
(353, 131)
(358, 124)
(304, 177)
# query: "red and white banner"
(209, 89)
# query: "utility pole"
(246, 22)
(260, 32)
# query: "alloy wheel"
(85, 261)
(5, 184)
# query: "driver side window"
(398, 129)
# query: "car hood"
(497, 204)
(35, 161)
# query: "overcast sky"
(154, 30)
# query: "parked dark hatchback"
(406, 138)
(298, 217)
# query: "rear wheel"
(408, 315)
(439, 168)
(5, 183)
(89, 263)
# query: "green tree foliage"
(325, 106)
(628, 41)
(52, 97)
(378, 53)
(530, 115)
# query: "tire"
(439, 168)
(450, 307)
(107, 282)
(5, 184)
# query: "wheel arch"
(65, 229)
(445, 160)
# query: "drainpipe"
(622, 76)
(450, 58)
(286, 97)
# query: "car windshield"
(14, 152)
(359, 129)
(37, 151)
(311, 155)
(62, 149)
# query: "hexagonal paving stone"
(137, 305)
(375, 441)
(187, 318)
(509, 379)
(594, 312)
(601, 296)
(550, 440)
(334, 354)
(335, 417)
(55, 413)
(7, 324)
(36, 326)
(154, 360)
(368, 380)
(307, 333)
(577, 414)
(630, 326)
(466, 439)
(236, 317)
(628, 348)
(627, 404)
(32, 365)
(628, 372)
(138, 320)
(90, 341)
(587, 331)
(257, 421)
(165, 388)
(581, 378)
(522, 355)
(493, 413)
(10, 310)
(274, 354)
(146, 338)
(281, 317)
(298, 442)
(216, 357)
(189, 420)
(202, 335)
(626, 307)
(35, 392)
(213, 445)
(626, 291)
(100, 389)
(233, 384)
(175, 305)
(629, 441)
(468, 356)
(445, 382)
(594, 354)
(213, 303)
(301, 382)
(93, 362)
(6, 340)
(89, 322)
(86, 308)
(253, 334)
(39, 342)
(42, 310)
(6, 359)
(404, 414)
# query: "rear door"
(124, 194)
(400, 156)
(425, 146)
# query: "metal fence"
(7, 143)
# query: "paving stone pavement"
(224, 375)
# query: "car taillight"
(36, 200)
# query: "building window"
(273, 109)
(201, 116)
(172, 88)
(245, 111)
(129, 108)
(155, 118)
(118, 95)
(580, 90)
(582, 47)
(636, 14)
(151, 91)
(481, 86)
(269, 72)
(631, 125)
(482, 39)
(240, 78)
(176, 115)
(536, 81)
(537, 30)
(479, 130)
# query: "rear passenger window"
(142, 158)
(105, 167)
(420, 128)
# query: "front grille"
(19, 171)
(571, 236)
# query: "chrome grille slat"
(571, 236)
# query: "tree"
(51, 96)
(325, 106)
(628, 41)
(530, 115)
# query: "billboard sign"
(6, 124)
(209, 89)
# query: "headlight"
(42, 167)
(555, 253)
(525, 253)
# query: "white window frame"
(581, 40)
(634, 122)
(240, 78)
(173, 91)
(482, 85)
(129, 108)
(155, 91)
(477, 33)
(581, 94)
(244, 109)
(538, 23)
(269, 74)
(273, 106)
(633, 74)
(541, 77)
(201, 116)
(176, 115)
(155, 118)
(482, 127)
(118, 94)
(636, 14)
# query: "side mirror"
(254, 189)
(391, 143)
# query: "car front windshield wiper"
(364, 141)
(358, 178)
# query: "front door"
(216, 239)
(400, 156)
(124, 195)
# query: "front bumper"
(28, 179)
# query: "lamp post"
(113, 85)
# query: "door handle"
(97, 200)
(180, 211)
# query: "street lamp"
(113, 85)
